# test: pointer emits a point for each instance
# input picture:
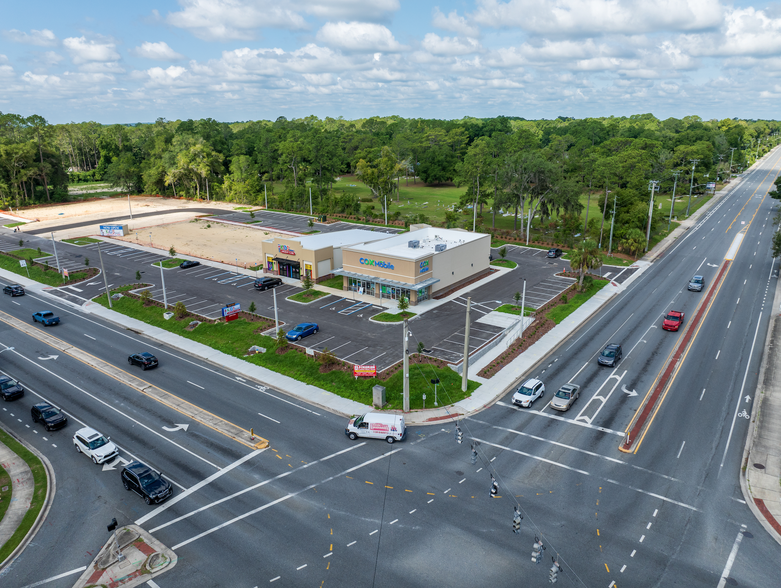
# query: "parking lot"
(296, 223)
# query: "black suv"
(265, 283)
(14, 290)
(189, 263)
(146, 482)
(10, 389)
(553, 252)
(51, 416)
(144, 359)
(611, 355)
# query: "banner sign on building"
(113, 230)
(365, 371)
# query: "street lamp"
(694, 163)
(675, 184)
(652, 185)
(603, 216)
(612, 221)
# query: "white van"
(377, 425)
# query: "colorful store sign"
(286, 250)
(374, 263)
(365, 371)
(424, 267)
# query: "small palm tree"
(503, 252)
(585, 257)
(634, 242)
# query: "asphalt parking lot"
(296, 223)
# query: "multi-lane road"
(315, 509)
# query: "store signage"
(710, 185)
(375, 263)
(424, 267)
(112, 230)
(366, 371)
(232, 308)
(286, 250)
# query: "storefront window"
(394, 293)
(423, 294)
(360, 286)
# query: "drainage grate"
(759, 466)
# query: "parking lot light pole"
(265, 193)
(103, 271)
(464, 373)
(276, 315)
(57, 259)
(405, 370)
(162, 279)
(523, 306)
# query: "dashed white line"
(623, 568)
(269, 418)
(274, 579)
(301, 567)
(648, 526)
(329, 554)
(718, 353)
(642, 538)
(413, 510)
(633, 553)
(680, 450)
(656, 510)
(373, 532)
(462, 481)
(93, 338)
(446, 491)
(196, 385)
(703, 393)
(394, 521)
(430, 501)
(351, 544)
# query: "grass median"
(562, 311)
(81, 241)
(40, 482)
(236, 337)
(40, 273)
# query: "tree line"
(531, 168)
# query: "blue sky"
(260, 59)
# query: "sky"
(238, 60)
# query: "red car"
(673, 320)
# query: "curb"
(51, 489)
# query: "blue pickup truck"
(46, 317)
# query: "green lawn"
(39, 493)
(49, 277)
(562, 311)
(335, 282)
(514, 309)
(388, 317)
(504, 263)
(81, 241)
(236, 337)
(28, 253)
(307, 296)
(12, 225)
(169, 263)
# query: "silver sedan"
(565, 397)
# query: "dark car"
(265, 283)
(189, 263)
(146, 482)
(145, 360)
(553, 252)
(10, 389)
(301, 330)
(51, 416)
(696, 284)
(611, 355)
(14, 290)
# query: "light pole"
(474, 216)
(57, 259)
(265, 193)
(103, 271)
(651, 186)
(732, 153)
(162, 279)
(612, 221)
(601, 229)
(675, 184)
(130, 208)
(691, 186)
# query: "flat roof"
(339, 238)
(398, 245)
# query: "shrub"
(86, 261)
(252, 306)
(138, 275)
(306, 282)
(326, 357)
(281, 339)
(172, 251)
(421, 346)
(180, 310)
(146, 297)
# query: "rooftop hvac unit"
(440, 247)
(414, 244)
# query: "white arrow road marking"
(712, 265)
(240, 379)
(50, 357)
(630, 392)
(176, 428)
(92, 284)
(748, 398)
(107, 467)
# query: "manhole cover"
(759, 466)
(459, 473)
(748, 535)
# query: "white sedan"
(530, 391)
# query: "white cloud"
(159, 51)
(358, 36)
(437, 45)
(51, 58)
(453, 22)
(347, 9)
(84, 51)
(42, 38)
(745, 32)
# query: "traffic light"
(517, 520)
(459, 434)
(554, 571)
(494, 487)
(537, 550)
(474, 454)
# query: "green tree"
(776, 250)
(306, 282)
(146, 297)
(281, 339)
(633, 242)
(123, 173)
(585, 256)
(379, 176)
(252, 307)
(180, 310)
(403, 304)
(503, 251)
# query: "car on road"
(10, 389)
(98, 448)
(301, 330)
(673, 320)
(266, 283)
(189, 263)
(565, 397)
(696, 284)
(146, 482)
(14, 290)
(553, 252)
(47, 318)
(145, 359)
(529, 391)
(50, 416)
(611, 355)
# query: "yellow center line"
(750, 197)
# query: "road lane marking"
(560, 418)
(57, 577)
(269, 418)
(732, 555)
(196, 385)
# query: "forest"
(508, 172)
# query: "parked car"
(553, 252)
(611, 355)
(565, 397)
(696, 284)
(673, 320)
(10, 389)
(94, 445)
(144, 359)
(189, 263)
(14, 290)
(265, 283)
(47, 318)
(146, 482)
(301, 330)
(529, 391)
(50, 416)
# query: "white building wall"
(457, 263)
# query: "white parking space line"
(346, 356)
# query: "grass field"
(335, 282)
(81, 241)
(504, 263)
(307, 296)
(562, 311)
(388, 317)
(28, 253)
(169, 263)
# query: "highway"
(317, 509)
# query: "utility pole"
(523, 306)
(601, 228)
(465, 372)
(675, 184)
(405, 368)
(265, 193)
(691, 186)
(651, 186)
(57, 259)
(276, 315)
(474, 215)
(612, 221)
(162, 279)
(310, 204)
(130, 208)
(103, 271)
(732, 150)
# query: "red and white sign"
(379, 428)
(365, 371)
(65, 273)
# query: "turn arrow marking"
(629, 392)
(50, 357)
(748, 398)
(107, 467)
(176, 428)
